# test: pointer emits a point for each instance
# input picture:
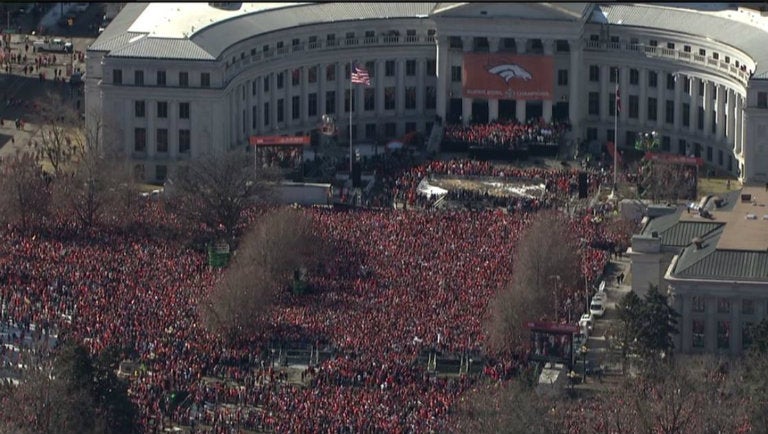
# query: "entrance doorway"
(479, 111)
(507, 109)
(533, 110)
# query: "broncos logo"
(511, 70)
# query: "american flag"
(618, 99)
(360, 76)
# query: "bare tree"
(282, 247)
(215, 190)
(58, 139)
(546, 265)
(97, 182)
(664, 181)
(24, 192)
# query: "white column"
(466, 103)
(520, 44)
(731, 118)
(679, 82)
(605, 90)
(739, 130)
(442, 79)
(708, 104)
(273, 100)
(260, 100)
(378, 83)
(321, 89)
(303, 99)
(643, 98)
(720, 114)
(421, 73)
(575, 86)
(493, 103)
(400, 87)
(694, 106)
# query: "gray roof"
(209, 42)
(216, 38)
(711, 263)
(694, 19)
(676, 233)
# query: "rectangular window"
(670, 82)
(139, 109)
(139, 140)
(431, 68)
(184, 79)
(634, 106)
(723, 335)
(687, 85)
(117, 76)
(280, 110)
(747, 307)
(594, 73)
(653, 79)
(369, 99)
(266, 114)
(162, 140)
(701, 88)
(594, 103)
(456, 74)
(371, 67)
(312, 104)
(138, 78)
(330, 72)
(185, 141)
(612, 103)
(296, 77)
(670, 111)
(389, 68)
(723, 304)
(709, 158)
(161, 78)
(254, 117)
(265, 83)
(410, 127)
(591, 134)
(687, 48)
(162, 109)
(613, 74)
(347, 101)
(686, 114)
(652, 109)
(634, 77)
(700, 119)
(312, 74)
(390, 129)
(205, 79)
(389, 98)
(762, 100)
(370, 131)
(430, 98)
(295, 107)
(697, 335)
(280, 80)
(562, 77)
(698, 304)
(183, 110)
(330, 102)
(410, 67)
(666, 143)
(410, 98)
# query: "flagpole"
(350, 120)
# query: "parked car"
(55, 44)
(597, 308)
(585, 324)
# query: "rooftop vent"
(698, 242)
(746, 198)
(654, 234)
(751, 216)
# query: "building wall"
(709, 82)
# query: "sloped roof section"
(728, 264)
(719, 22)
(216, 38)
(116, 34)
(676, 233)
(163, 48)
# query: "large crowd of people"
(505, 134)
(400, 283)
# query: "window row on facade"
(161, 109)
(160, 79)
(162, 141)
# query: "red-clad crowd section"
(401, 282)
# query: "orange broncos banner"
(507, 76)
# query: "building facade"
(173, 81)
